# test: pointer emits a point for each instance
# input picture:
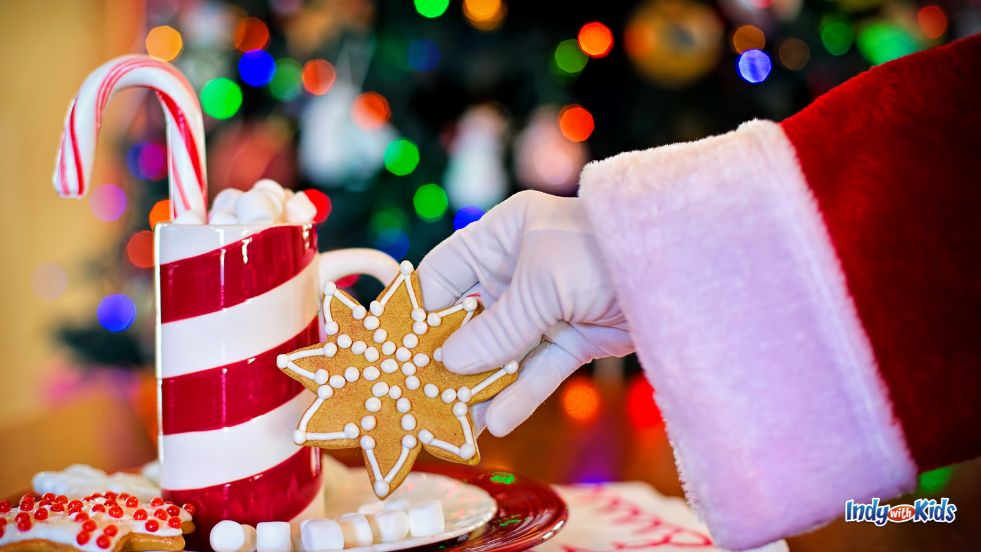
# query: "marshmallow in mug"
(266, 203)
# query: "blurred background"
(412, 117)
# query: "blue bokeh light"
(465, 216)
(256, 67)
(754, 66)
(116, 312)
(423, 55)
(394, 242)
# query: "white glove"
(546, 290)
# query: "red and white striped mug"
(229, 300)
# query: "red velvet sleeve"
(893, 158)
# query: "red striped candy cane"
(185, 131)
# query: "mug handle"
(356, 260)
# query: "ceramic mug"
(229, 300)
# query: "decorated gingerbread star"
(381, 385)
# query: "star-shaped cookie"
(381, 385)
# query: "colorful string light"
(748, 37)
(139, 249)
(431, 9)
(423, 55)
(221, 98)
(794, 54)
(754, 66)
(108, 202)
(466, 216)
(932, 21)
(147, 161)
(595, 39)
(251, 33)
(580, 399)
(160, 212)
(881, 41)
(287, 79)
(430, 202)
(256, 68)
(116, 312)
(370, 111)
(318, 76)
(836, 34)
(401, 157)
(485, 15)
(576, 123)
(49, 281)
(164, 43)
(568, 58)
(641, 409)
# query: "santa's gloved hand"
(547, 293)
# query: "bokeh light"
(164, 42)
(49, 281)
(423, 55)
(286, 82)
(748, 37)
(568, 58)
(431, 8)
(318, 76)
(251, 34)
(394, 242)
(322, 202)
(147, 160)
(347, 281)
(401, 157)
(388, 228)
(836, 34)
(934, 481)
(465, 216)
(932, 21)
(794, 54)
(641, 409)
(430, 202)
(390, 218)
(139, 249)
(370, 110)
(256, 67)
(754, 66)
(108, 202)
(580, 399)
(116, 312)
(160, 212)
(576, 123)
(595, 39)
(485, 15)
(221, 98)
(880, 42)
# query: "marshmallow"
(356, 530)
(426, 518)
(270, 186)
(225, 200)
(299, 209)
(389, 525)
(371, 507)
(222, 217)
(189, 217)
(230, 536)
(321, 534)
(274, 536)
(258, 207)
(400, 504)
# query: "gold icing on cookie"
(380, 383)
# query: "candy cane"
(185, 132)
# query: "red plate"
(528, 512)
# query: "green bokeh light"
(881, 42)
(387, 220)
(221, 98)
(287, 80)
(569, 59)
(430, 202)
(837, 34)
(934, 480)
(503, 478)
(401, 157)
(431, 8)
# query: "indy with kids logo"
(922, 510)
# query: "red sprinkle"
(89, 525)
(4, 506)
(157, 502)
(140, 514)
(24, 524)
(124, 496)
(57, 507)
(110, 530)
(74, 506)
(160, 514)
(132, 502)
(173, 511)
(27, 504)
(23, 516)
(174, 522)
(41, 514)
(112, 495)
(61, 498)
(152, 525)
(116, 512)
(98, 508)
(189, 508)
(48, 496)
(103, 541)
(83, 537)
(95, 495)
(81, 516)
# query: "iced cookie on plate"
(380, 384)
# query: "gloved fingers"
(506, 331)
(447, 272)
(478, 413)
(591, 341)
(540, 375)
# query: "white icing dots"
(282, 361)
(388, 366)
(371, 322)
(420, 360)
(359, 347)
(379, 389)
(359, 312)
(438, 354)
(426, 436)
(464, 394)
(430, 390)
(330, 288)
(331, 327)
(434, 319)
(337, 381)
(408, 368)
(511, 367)
(351, 431)
(467, 451)
(320, 377)
(382, 487)
(368, 423)
(403, 405)
(380, 335)
(459, 410)
(376, 308)
(420, 327)
(373, 404)
(388, 348)
(394, 392)
(408, 422)
(351, 374)
(367, 442)
(448, 396)
(405, 267)
(418, 315)
(371, 373)
(403, 354)
(371, 354)
(344, 341)
(470, 304)
(299, 437)
(412, 383)
(325, 391)
(409, 441)
(330, 349)
(410, 340)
